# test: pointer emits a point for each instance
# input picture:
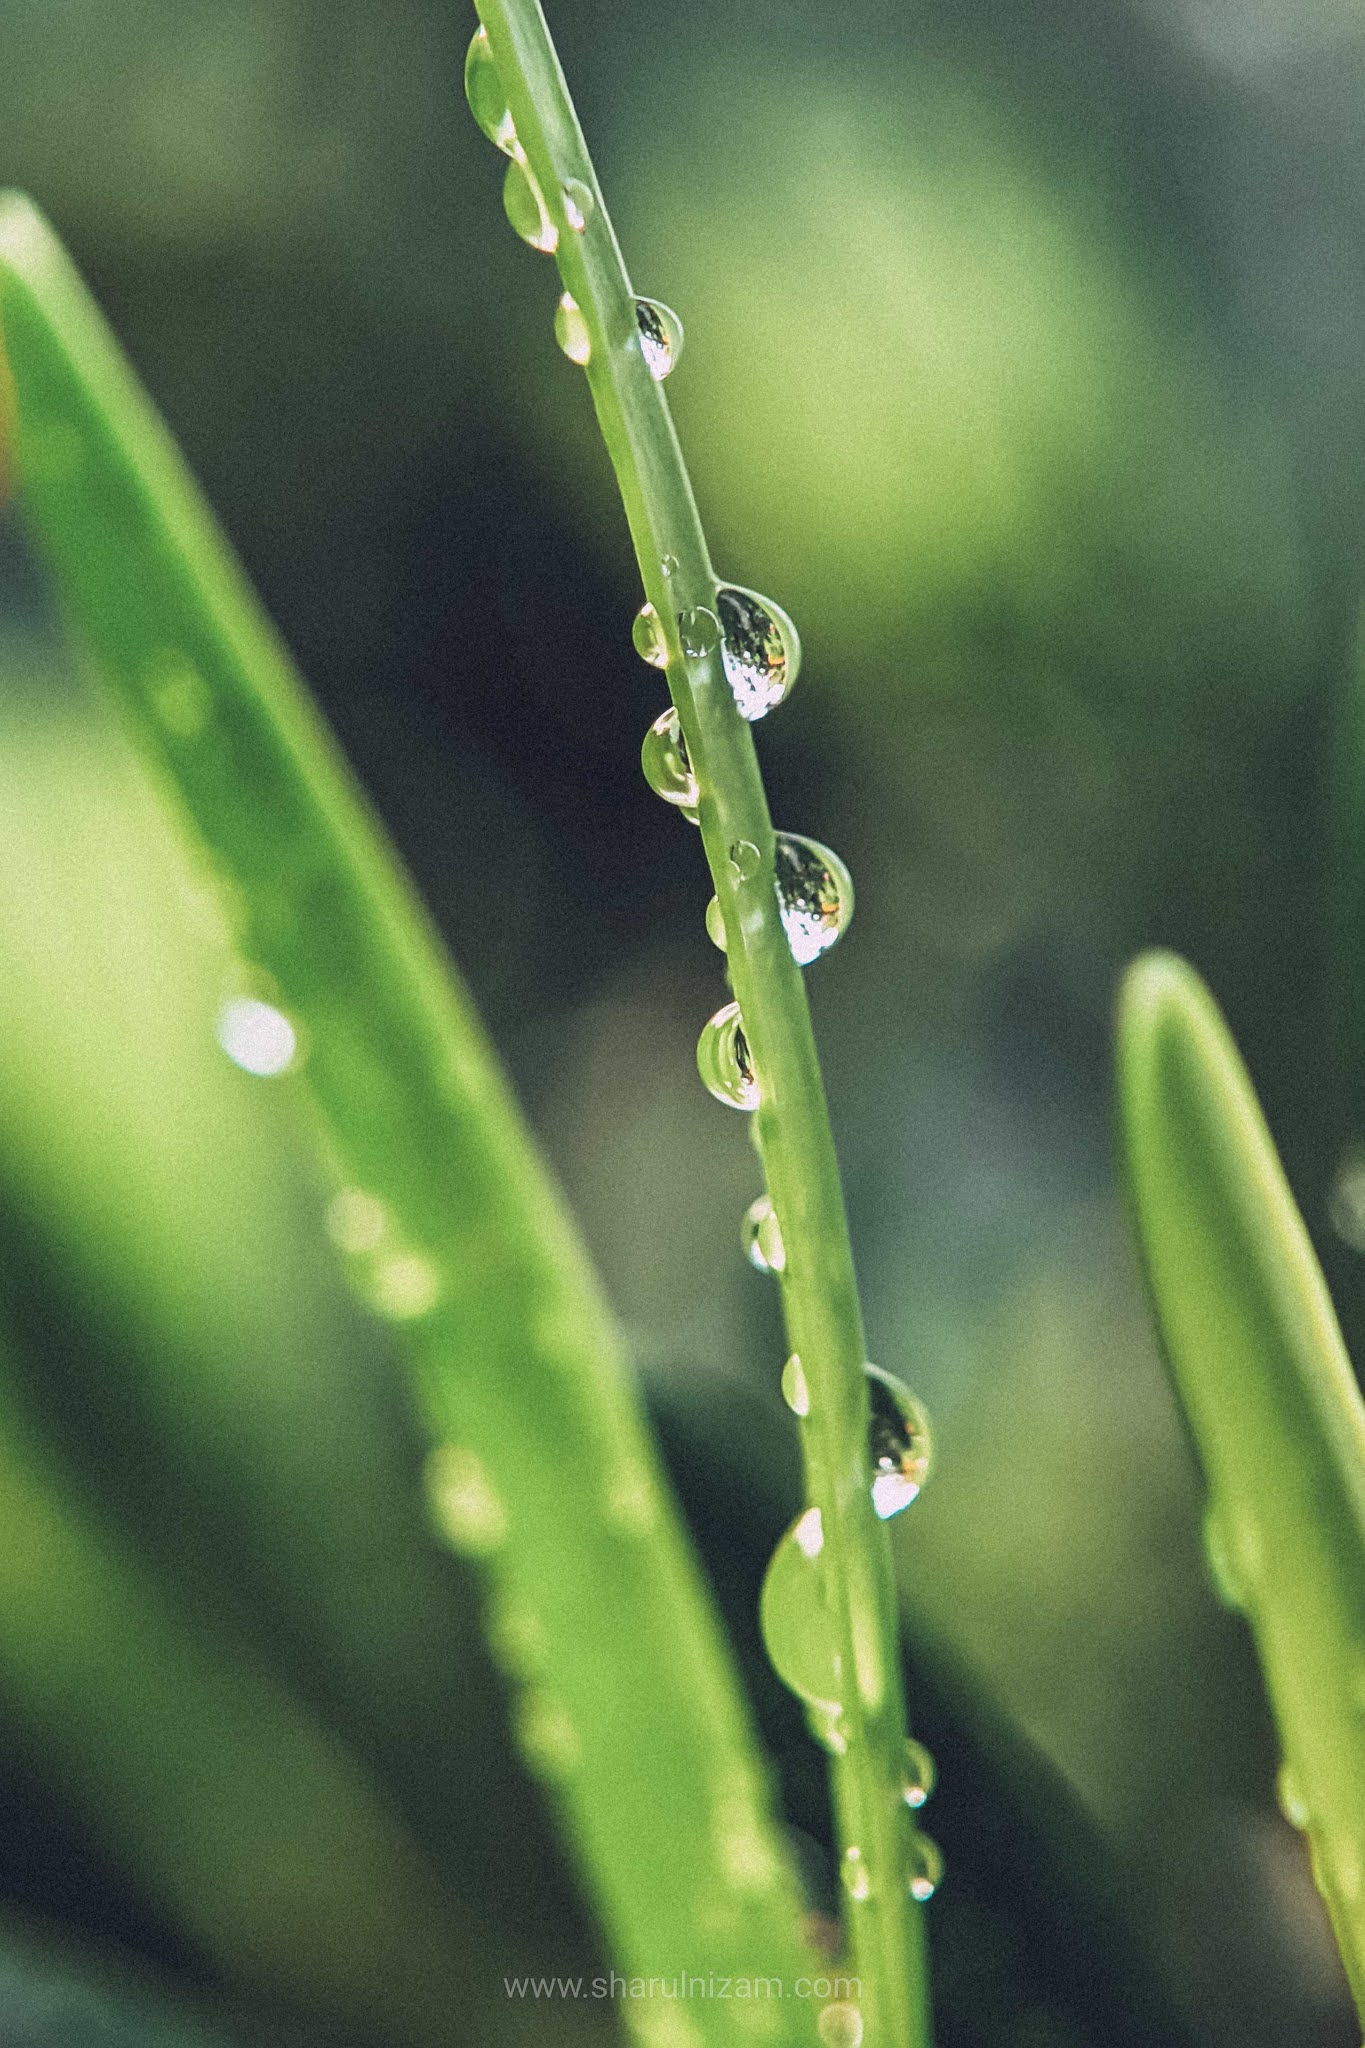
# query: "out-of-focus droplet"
(661, 336)
(356, 1222)
(900, 1446)
(856, 1876)
(179, 695)
(795, 1392)
(1289, 1795)
(1346, 1203)
(814, 895)
(579, 204)
(715, 924)
(571, 330)
(257, 1037)
(840, 2025)
(483, 90)
(760, 649)
(545, 1734)
(699, 631)
(464, 1503)
(667, 765)
(647, 633)
(404, 1286)
(921, 1774)
(761, 1236)
(1218, 1560)
(924, 1870)
(797, 1618)
(524, 204)
(724, 1062)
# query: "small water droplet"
(1346, 1202)
(814, 895)
(404, 1287)
(661, 336)
(517, 1640)
(760, 650)
(699, 631)
(724, 1061)
(900, 1446)
(579, 203)
(464, 1502)
(524, 204)
(761, 1236)
(1289, 1796)
(925, 1867)
(571, 330)
(632, 1501)
(180, 696)
(715, 924)
(921, 1774)
(796, 1616)
(546, 1735)
(1218, 1560)
(648, 635)
(258, 1037)
(667, 765)
(828, 1729)
(356, 1222)
(745, 859)
(795, 1392)
(483, 90)
(856, 1875)
(840, 2025)
(668, 566)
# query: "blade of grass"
(819, 1287)
(626, 1701)
(1263, 1379)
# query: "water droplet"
(257, 1036)
(828, 1729)
(483, 90)
(661, 336)
(632, 1501)
(579, 203)
(524, 204)
(1289, 1796)
(840, 2025)
(517, 1639)
(925, 1867)
(699, 631)
(921, 1774)
(180, 696)
(1218, 1560)
(715, 924)
(795, 1392)
(814, 895)
(667, 765)
(724, 1062)
(356, 1222)
(761, 1236)
(464, 1503)
(546, 1735)
(668, 566)
(761, 650)
(648, 635)
(1346, 1202)
(571, 330)
(899, 1443)
(404, 1287)
(856, 1875)
(745, 859)
(796, 1616)
(1346, 1856)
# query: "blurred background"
(1023, 367)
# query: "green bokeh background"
(1024, 368)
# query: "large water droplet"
(1290, 1798)
(796, 1615)
(464, 1502)
(724, 1062)
(760, 650)
(524, 204)
(257, 1036)
(571, 330)
(921, 1774)
(795, 1392)
(647, 633)
(661, 336)
(856, 1875)
(840, 2025)
(899, 1443)
(814, 895)
(579, 203)
(483, 90)
(761, 1236)
(699, 631)
(667, 765)
(924, 1869)
(715, 925)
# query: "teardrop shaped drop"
(571, 330)
(483, 90)
(647, 635)
(579, 203)
(814, 895)
(760, 649)
(661, 336)
(924, 1872)
(524, 204)
(715, 925)
(667, 765)
(699, 631)
(921, 1774)
(761, 1236)
(1289, 1797)
(899, 1443)
(797, 1617)
(795, 1392)
(724, 1062)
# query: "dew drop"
(796, 1616)
(483, 90)
(921, 1775)
(571, 330)
(715, 925)
(699, 631)
(1346, 1202)
(840, 2025)
(724, 1062)
(814, 896)
(517, 1640)
(356, 1222)
(179, 694)
(900, 1447)
(760, 650)
(464, 1503)
(667, 765)
(579, 203)
(648, 635)
(925, 1868)
(745, 859)
(795, 1392)
(524, 204)
(761, 1236)
(404, 1287)
(669, 565)
(661, 336)
(258, 1037)
(856, 1875)
(827, 1726)
(1289, 1797)
(546, 1735)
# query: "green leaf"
(1261, 1373)
(626, 1702)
